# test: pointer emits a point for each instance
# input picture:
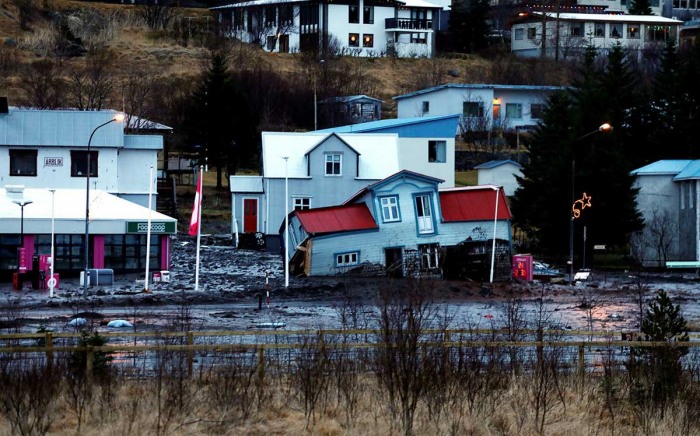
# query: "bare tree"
(157, 13)
(90, 86)
(660, 231)
(43, 84)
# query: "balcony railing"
(408, 24)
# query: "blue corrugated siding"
(144, 142)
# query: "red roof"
(336, 219)
(473, 204)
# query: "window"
(78, 164)
(633, 31)
(519, 34)
(531, 32)
(599, 30)
(616, 30)
(514, 111)
(424, 215)
(354, 40)
(128, 252)
(473, 109)
(429, 256)
(347, 259)
(354, 14)
(419, 38)
(286, 14)
(270, 17)
(577, 30)
(536, 111)
(271, 43)
(23, 162)
(436, 151)
(390, 209)
(238, 19)
(333, 162)
(68, 251)
(302, 203)
(368, 15)
(368, 40)
(425, 107)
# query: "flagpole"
(148, 230)
(199, 226)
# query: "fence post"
(190, 353)
(48, 343)
(581, 363)
(540, 349)
(261, 363)
(90, 358)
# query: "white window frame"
(439, 155)
(351, 258)
(336, 167)
(424, 214)
(299, 203)
(390, 208)
(518, 107)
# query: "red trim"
(165, 252)
(98, 251)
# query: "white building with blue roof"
(668, 202)
(500, 173)
(483, 107)
(325, 167)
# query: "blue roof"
(496, 163)
(691, 171)
(481, 86)
(663, 167)
(350, 98)
(443, 126)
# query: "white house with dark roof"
(325, 167)
(668, 201)
(483, 107)
(579, 30)
(369, 28)
(501, 173)
(403, 225)
(48, 148)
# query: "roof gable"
(480, 86)
(442, 126)
(496, 163)
(324, 140)
(660, 167)
(405, 174)
(477, 203)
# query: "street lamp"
(605, 127)
(495, 218)
(286, 221)
(52, 280)
(21, 204)
(118, 117)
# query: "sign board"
(523, 267)
(157, 227)
(53, 161)
(22, 260)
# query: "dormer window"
(334, 163)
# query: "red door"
(250, 215)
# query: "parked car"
(544, 270)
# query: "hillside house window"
(599, 30)
(425, 107)
(390, 208)
(79, 164)
(354, 13)
(347, 259)
(514, 111)
(633, 31)
(23, 162)
(473, 109)
(519, 34)
(302, 203)
(271, 42)
(429, 256)
(531, 32)
(333, 164)
(354, 40)
(238, 19)
(436, 151)
(616, 30)
(286, 15)
(270, 17)
(368, 15)
(368, 40)
(424, 214)
(577, 30)
(536, 111)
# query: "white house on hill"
(369, 28)
(576, 31)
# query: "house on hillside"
(405, 226)
(577, 31)
(48, 148)
(500, 173)
(353, 109)
(483, 107)
(668, 202)
(323, 168)
(367, 28)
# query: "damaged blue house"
(404, 225)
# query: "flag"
(197, 209)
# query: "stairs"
(167, 197)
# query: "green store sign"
(157, 227)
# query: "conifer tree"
(640, 7)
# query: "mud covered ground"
(233, 283)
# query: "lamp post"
(52, 281)
(21, 204)
(495, 219)
(286, 221)
(117, 117)
(605, 127)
